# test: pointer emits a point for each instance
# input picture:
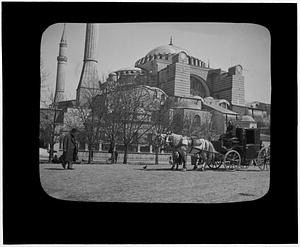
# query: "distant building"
(200, 91)
(261, 113)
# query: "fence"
(147, 158)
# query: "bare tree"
(133, 106)
(87, 119)
(50, 115)
(51, 118)
(46, 93)
(111, 124)
(162, 119)
(194, 127)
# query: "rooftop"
(166, 49)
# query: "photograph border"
(30, 216)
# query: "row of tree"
(120, 114)
(114, 113)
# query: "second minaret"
(89, 79)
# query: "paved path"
(157, 183)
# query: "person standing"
(114, 154)
(69, 149)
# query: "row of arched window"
(192, 61)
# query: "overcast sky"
(121, 45)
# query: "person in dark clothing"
(69, 149)
(75, 154)
(111, 151)
(116, 156)
(229, 130)
(55, 160)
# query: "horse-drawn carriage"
(239, 151)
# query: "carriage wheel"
(232, 160)
(263, 158)
(216, 163)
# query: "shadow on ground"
(55, 169)
(199, 170)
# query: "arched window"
(198, 87)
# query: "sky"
(120, 45)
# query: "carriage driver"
(224, 137)
(229, 130)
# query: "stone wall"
(203, 73)
(218, 122)
(182, 79)
(238, 90)
(222, 88)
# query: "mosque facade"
(210, 96)
(200, 91)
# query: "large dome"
(166, 49)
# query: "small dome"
(166, 49)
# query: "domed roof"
(166, 49)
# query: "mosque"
(211, 96)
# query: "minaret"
(61, 68)
(89, 79)
(171, 41)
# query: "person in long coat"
(69, 149)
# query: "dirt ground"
(156, 183)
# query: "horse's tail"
(211, 147)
